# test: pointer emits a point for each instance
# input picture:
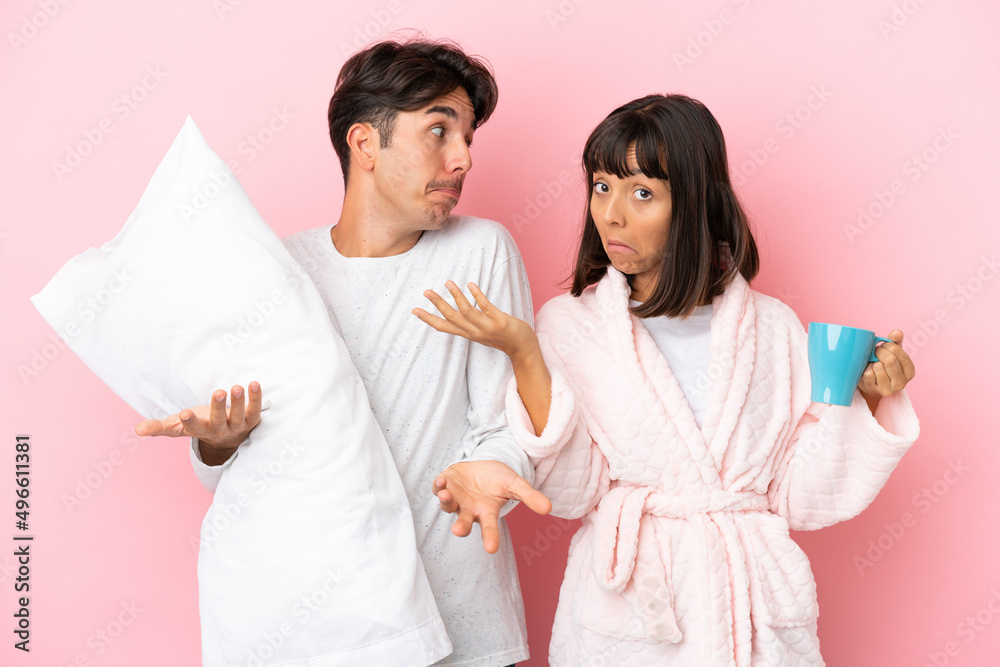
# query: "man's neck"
(362, 232)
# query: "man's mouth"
(452, 189)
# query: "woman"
(667, 404)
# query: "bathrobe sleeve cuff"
(894, 421)
(558, 429)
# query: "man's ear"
(363, 140)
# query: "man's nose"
(459, 157)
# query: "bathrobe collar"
(733, 350)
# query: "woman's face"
(632, 216)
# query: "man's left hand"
(477, 490)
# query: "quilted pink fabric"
(684, 556)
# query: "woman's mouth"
(618, 246)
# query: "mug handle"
(879, 339)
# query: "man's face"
(419, 176)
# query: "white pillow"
(308, 555)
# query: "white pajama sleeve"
(209, 476)
(488, 372)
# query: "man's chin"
(438, 216)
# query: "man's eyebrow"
(440, 108)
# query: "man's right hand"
(218, 431)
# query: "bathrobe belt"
(628, 548)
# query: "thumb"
(173, 426)
(151, 427)
(145, 427)
(896, 336)
(536, 501)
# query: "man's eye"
(438, 131)
(643, 194)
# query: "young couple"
(687, 495)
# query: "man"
(402, 120)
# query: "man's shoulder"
(467, 230)
(306, 247)
(306, 235)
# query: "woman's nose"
(608, 211)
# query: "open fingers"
(254, 404)
(440, 324)
(474, 321)
(463, 304)
(217, 413)
(488, 524)
(237, 411)
(440, 482)
(446, 499)
(463, 524)
(443, 306)
(481, 300)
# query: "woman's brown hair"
(709, 241)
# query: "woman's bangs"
(608, 150)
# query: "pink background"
(912, 581)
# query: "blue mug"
(838, 356)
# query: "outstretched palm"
(487, 324)
(477, 490)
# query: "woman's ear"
(363, 140)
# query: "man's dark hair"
(709, 241)
(377, 83)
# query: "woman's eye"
(601, 188)
(642, 194)
(438, 131)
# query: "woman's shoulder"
(567, 313)
(772, 311)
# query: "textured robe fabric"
(684, 556)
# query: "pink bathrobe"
(684, 556)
